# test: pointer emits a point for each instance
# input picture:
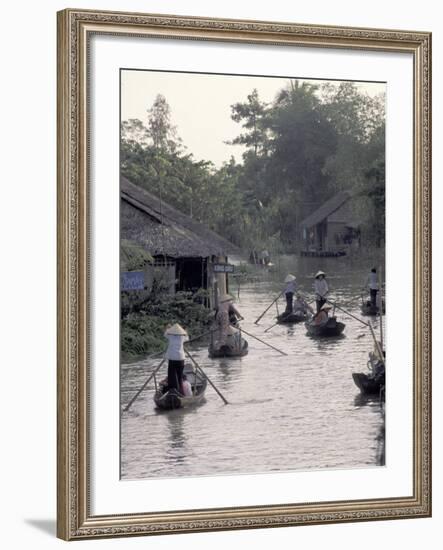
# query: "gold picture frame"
(74, 518)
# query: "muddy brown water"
(298, 412)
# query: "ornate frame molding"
(74, 29)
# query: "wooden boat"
(372, 382)
(368, 309)
(294, 317)
(228, 351)
(172, 399)
(331, 328)
(367, 383)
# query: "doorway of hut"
(191, 274)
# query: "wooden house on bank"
(184, 252)
(331, 230)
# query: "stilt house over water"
(331, 230)
(184, 251)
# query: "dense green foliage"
(310, 143)
(142, 330)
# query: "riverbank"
(142, 331)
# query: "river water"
(297, 412)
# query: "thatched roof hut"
(163, 230)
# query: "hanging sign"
(223, 268)
(132, 280)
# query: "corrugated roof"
(162, 229)
(326, 209)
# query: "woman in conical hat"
(225, 298)
(290, 289)
(226, 314)
(176, 330)
(321, 289)
(321, 318)
(175, 354)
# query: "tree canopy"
(311, 142)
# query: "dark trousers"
(320, 303)
(175, 374)
(289, 298)
(373, 292)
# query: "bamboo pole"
(197, 366)
(269, 307)
(144, 386)
(348, 313)
(265, 343)
(377, 345)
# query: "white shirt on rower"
(372, 281)
(321, 287)
(291, 286)
(175, 351)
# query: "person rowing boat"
(175, 354)
(290, 289)
(321, 289)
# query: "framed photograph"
(243, 274)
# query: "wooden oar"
(348, 313)
(201, 336)
(269, 307)
(197, 366)
(144, 386)
(263, 342)
(272, 326)
(377, 345)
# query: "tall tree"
(252, 115)
(160, 129)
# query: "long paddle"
(272, 326)
(347, 313)
(377, 345)
(269, 307)
(200, 336)
(144, 386)
(197, 366)
(263, 342)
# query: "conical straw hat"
(319, 273)
(176, 330)
(290, 278)
(225, 298)
(326, 306)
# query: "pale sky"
(201, 105)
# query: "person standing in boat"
(175, 355)
(225, 313)
(321, 289)
(372, 285)
(290, 289)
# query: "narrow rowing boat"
(331, 328)
(366, 383)
(368, 309)
(229, 351)
(172, 399)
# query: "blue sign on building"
(132, 280)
